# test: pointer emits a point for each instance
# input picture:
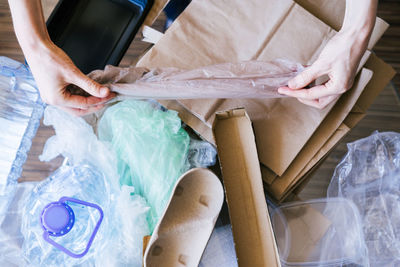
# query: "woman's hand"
(338, 60)
(53, 70)
(55, 73)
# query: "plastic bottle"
(50, 238)
(20, 112)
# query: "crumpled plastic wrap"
(76, 141)
(369, 175)
(248, 79)
(152, 150)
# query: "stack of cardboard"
(291, 138)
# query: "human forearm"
(360, 17)
(53, 70)
(29, 25)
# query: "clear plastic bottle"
(80, 182)
(20, 112)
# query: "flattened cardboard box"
(275, 29)
(252, 230)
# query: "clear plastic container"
(319, 232)
(20, 112)
(80, 182)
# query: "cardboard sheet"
(332, 12)
(252, 231)
(155, 11)
(263, 31)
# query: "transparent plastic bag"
(369, 175)
(247, 79)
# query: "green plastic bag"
(152, 149)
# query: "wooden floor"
(388, 48)
(384, 115)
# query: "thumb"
(304, 78)
(90, 86)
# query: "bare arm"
(52, 69)
(339, 59)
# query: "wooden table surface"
(384, 114)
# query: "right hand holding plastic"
(54, 72)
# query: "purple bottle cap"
(57, 218)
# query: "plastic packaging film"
(369, 176)
(248, 79)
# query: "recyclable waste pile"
(111, 191)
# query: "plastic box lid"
(320, 232)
